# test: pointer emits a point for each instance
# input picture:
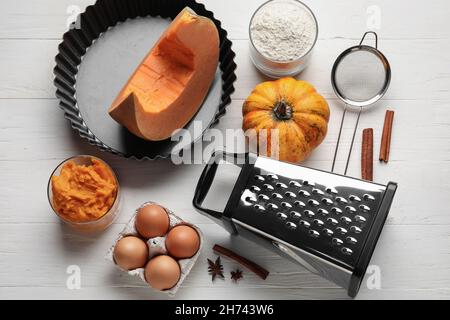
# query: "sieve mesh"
(360, 76)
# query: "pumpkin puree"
(84, 193)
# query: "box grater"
(324, 221)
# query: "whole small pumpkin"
(294, 108)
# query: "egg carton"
(157, 247)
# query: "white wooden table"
(413, 254)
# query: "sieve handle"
(353, 141)
(370, 32)
(339, 140)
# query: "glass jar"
(89, 226)
(282, 68)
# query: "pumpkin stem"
(282, 110)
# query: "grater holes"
(272, 176)
(318, 191)
(259, 178)
(295, 184)
(309, 213)
(250, 199)
(255, 189)
(346, 251)
(354, 198)
(282, 216)
(333, 221)
(337, 241)
(295, 215)
(364, 208)
(350, 209)
(304, 224)
(259, 208)
(368, 197)
(337, 194)
(281, 185)
(290, 194)
(272, 206)
(291, 225)
(299, 203)
(336, 210)
(318, 222)
(304, 193)
(276, 195)
(314, 233)
(286, 205)
(308, 183)
(331, 190)
(341, 200)
(346, 220)
(263, 197)
(310, 209)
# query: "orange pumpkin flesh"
(170, 84)
(292, 107)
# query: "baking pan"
(99, 53)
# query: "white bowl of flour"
(282, 36)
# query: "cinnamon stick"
(386, 137)
(258, 270)
(367, 155)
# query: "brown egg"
(162, 272)
(131, 253)
(152, 221)
(182, 242)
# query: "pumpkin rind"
(298, 134)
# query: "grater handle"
(204, 184)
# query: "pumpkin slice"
(170, 84)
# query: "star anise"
(236, 275)
(215, 269)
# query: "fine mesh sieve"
(360, 77)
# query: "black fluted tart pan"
(99, 53)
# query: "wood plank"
(41, 138)
(413, 252)
(30, 63)
(43, 122)
(403, 253)
(120, 293)
(345, 18)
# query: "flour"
(283, 31)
